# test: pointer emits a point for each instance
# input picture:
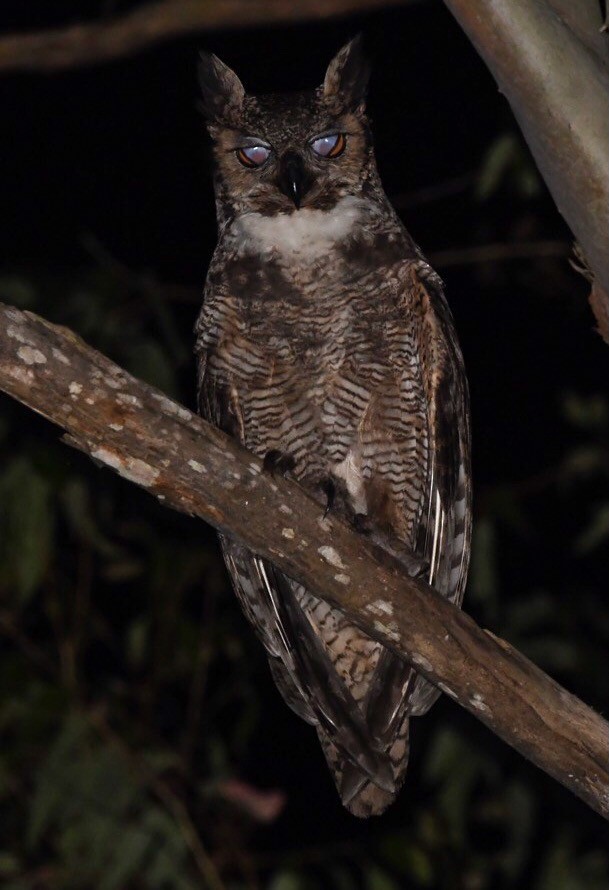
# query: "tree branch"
(92, 43)
(189, 465)
(550, 60)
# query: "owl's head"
(278, 153)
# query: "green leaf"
(342, 879)
(76, 502)
(148, 360)
(287, 880)
(586, 412)
(52, 787)
(507, 159)
(377, 879)
(17, 291)
(127, 858)
(595, 533)
(483, 574)
(27, 522)
(9, 864)
(404, 855)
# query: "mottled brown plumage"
(325, 337)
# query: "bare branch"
(550, 60)
(90, 44)
(498, 252)
(189, 465)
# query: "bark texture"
(161, 446)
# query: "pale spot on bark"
(172, 407)
(422, 662)
(389, 631)
(126, 398)
(331, 556)
(75, 388)
(477, 702)
(15, 333)
(287, 533)
(342, 579)
(131, 468)
(380, 607)
(58, 354)
(31, 356)
(285, 509)
(117, 427)
(23, 375)
(196, 466)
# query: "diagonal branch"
(187, 464)
(147, 25)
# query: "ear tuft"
(348, 74)
(222, 91)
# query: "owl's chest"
(315, 334)
(309, 293)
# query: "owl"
(326, 347)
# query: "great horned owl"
(326, 347)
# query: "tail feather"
(359, 795)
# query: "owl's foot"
(361, 523)
(415, 565)
(278, 463)
(329, 489)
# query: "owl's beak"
(293, 178)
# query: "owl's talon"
(361, 523)
(329, 489)
(277, 462)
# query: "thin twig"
(498, 253)
(33, 652)
(198, 683)
(437, 192)
(102, 41)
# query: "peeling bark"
(150, 440)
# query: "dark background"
(135, 705)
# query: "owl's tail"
(387, 707)
(359, 795)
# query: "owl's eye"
(329, 146)
(253, 155)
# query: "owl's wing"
(445, 531)
(447, 527)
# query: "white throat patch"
(305, 232)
